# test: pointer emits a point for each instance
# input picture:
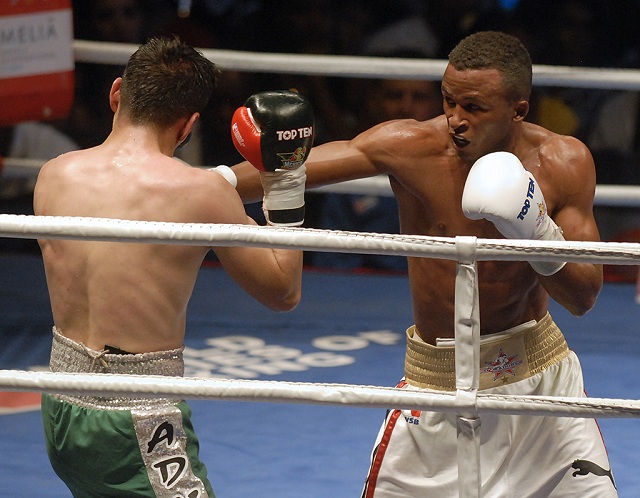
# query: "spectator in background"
(574, 35)
(116, 21)
(387, 99)
(120, 21)
(382, 100)
(34, 140)
(401, 99)
(27, 140)
(615, 139)
(452, 20)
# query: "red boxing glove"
(274, 132)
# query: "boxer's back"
(133, 296)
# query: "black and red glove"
(274, 132)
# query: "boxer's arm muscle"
(332, 162)
(577, 285)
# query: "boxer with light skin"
(121, 307)
(482, 170)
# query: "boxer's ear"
(185, 131)
(520, 110)
(114, 94)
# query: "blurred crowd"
(588, 33)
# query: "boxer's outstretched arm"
(328, 163)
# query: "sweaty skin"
(134, 296)
(428, 163)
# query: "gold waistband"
(505, 359)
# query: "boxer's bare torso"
(134, 296)
(428, 163)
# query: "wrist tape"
(552, 232)
(283, 202)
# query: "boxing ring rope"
(202, 234)
(606, 195)
(363, 67)
(467, 401)
(103, 229)
(377, 67)
(459, 248)
(306, 393)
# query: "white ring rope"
(466, 402)
(606, 195)
(355, 66)
(17, 166)
(202, 234)
(306, 393)
(363, 67)
(207, 234)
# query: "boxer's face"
(480, 113)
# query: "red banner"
(36, 60)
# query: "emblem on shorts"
(584, 467)
(502, 366)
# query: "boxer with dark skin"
(481, 170)
(428, 162)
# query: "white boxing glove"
(500, 190)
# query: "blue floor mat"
(349, 328)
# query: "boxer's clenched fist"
(500, 190)
(274, 132)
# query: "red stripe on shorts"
(379, 455)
